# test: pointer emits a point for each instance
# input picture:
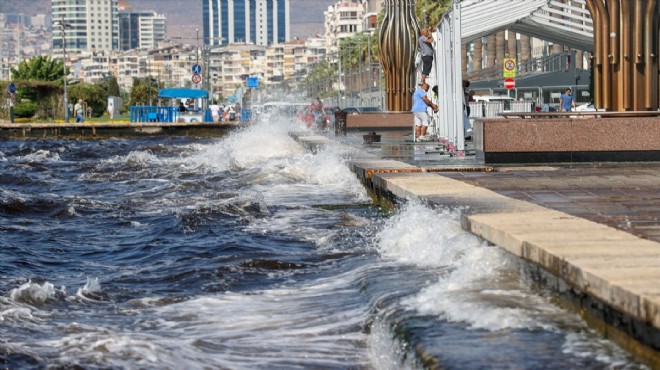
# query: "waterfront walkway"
(593, 229)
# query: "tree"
(354, 51)
(39, 68)
(144, 91)
(94, 95)
(319, 77)
(113, 86)
(40, 80)
(429, 12)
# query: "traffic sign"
(196, 69)
(510, 83)
(12, 88)
(509, 68)
(252, 82)
(196, 78)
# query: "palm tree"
(429, 12)
(39, 68)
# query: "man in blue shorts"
(420, 104)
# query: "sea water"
(249, 252)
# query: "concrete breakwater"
(612, 277)
(109, 129)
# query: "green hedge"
(25, 110)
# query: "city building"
(91, 25)
(260, 22)
(140, 30)
(23, 36)
(343, 20)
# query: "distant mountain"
(184, 17)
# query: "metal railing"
(154, 114)
(483, 109)
(543, 64)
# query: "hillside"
(306, 15)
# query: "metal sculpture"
(398, 46)
(625, 54)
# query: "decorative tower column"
(625, 54)
(398, 46)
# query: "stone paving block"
(366, 168)
(622, 283)
(650, 309)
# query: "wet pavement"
(625, 196)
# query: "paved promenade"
(594, 230)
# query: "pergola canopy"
(567, 24)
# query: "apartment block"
(260, 22)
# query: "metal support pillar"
(625, 54)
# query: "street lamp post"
(66, 98)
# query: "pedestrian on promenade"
(89, 111)
(79, 111)
(215, 112)
(111, 109)
(468, 96)
(420, 104)
(566, 101)
(426, 47)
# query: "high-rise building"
(140, 30)
(261, 22)
(343, 20)
(94, 24)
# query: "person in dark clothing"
(426, 47)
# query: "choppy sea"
(249, 252)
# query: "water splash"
(34, 294)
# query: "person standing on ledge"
(566, 101)
(426, 47)
(420, 103)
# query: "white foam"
(255, 145)
(315, 325)
(385, 352)
(40, 156)
(91, 286)
(589, 344)
(421, 236)
(475, 285)
(33, 293)
(16, 314)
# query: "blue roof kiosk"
(171, 113)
